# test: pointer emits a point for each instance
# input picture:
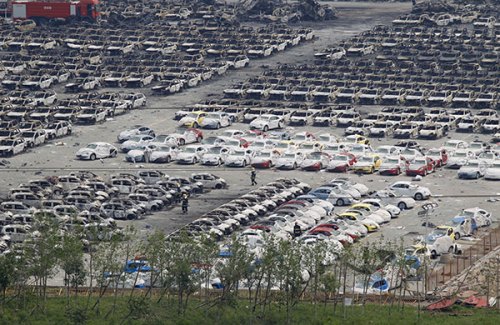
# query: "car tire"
(168, 159)
(218, 126)
(418, 196)
(265, 128)
(218, 186)
(280, 126)
(113, 154)
(92, 156)
(478, 175)
(182, 142)
(196, 125)
(451, 250)
(294, 165)
(244, 163)
(402, 206)
(457, 236)
(340, 202)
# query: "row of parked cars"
(277, 210)
(286, 150)
(86, 200)
(411, 122)
(163, 53)
(444, 68)
(30, 119)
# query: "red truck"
(41, 11)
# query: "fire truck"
(44, 10)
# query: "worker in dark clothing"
(253, 176)
(185, 203)
(297, 232)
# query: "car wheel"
(196, 125)
(218, 186)
(419, 196)
(402, 206)
(340, 202)
(131, 217)
(219, 162)
(244, 163)
(457, 236)
(113, 154)
(478, 175)
(154, 208)
(265, 128)
(425, 172)
(182, 142)
(195, 160)
(92, 156)
(294, 165)
(280, 126)
(451, 249)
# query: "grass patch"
(139, 311)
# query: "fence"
(456, 264)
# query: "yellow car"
(356, 138)
(193, 119)
(367, 164)
(370, 225)
(446, 229)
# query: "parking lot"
(452, 194)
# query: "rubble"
(479, 277)
(284, 11)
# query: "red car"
(420, 166)
(341, 162)
(334, 226)
(440, 156)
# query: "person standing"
(297, 232)
(184, 203)
(253, 176)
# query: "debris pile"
(481, 277)
(433, 7)
(284, 11)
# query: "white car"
(190, 154)
(289, 160)
(215, 120)
(267, 122)
(127, 134)
(481, 217)
(493, 172)
(239, 158)
(440, 243)
(459, 158)
(12, 146)
(215, 156)
(361, 188)
(474, 169)
(452, 145)
(136, 142)
(97, 150)
(209, 180)
(407, 189)
(58, 129)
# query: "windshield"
(366, 159)
(358, 149)
(289, 155)
(340, 158)
(214, 150)
(299, 137)
(419, 161)
(392, 161)
(307, 146)
(460, 154)
(238, 153)
(264, 154)
(92, 146)
(189, 150)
